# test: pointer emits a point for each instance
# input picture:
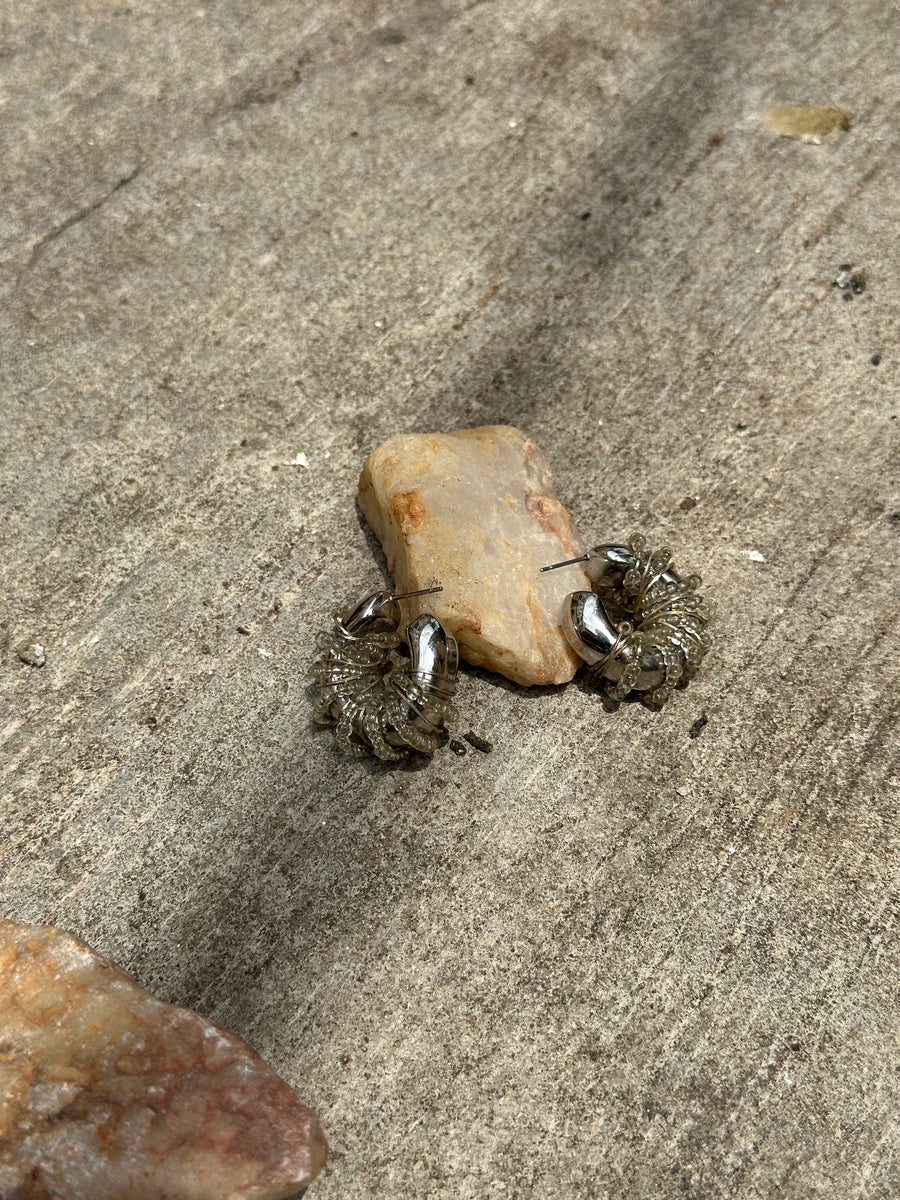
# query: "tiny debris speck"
(479, 743)
(698, 726)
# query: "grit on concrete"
(624, 954)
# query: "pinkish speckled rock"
(108, 1094)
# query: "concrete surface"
(624, 955)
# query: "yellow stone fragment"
(808, 122)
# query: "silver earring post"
(568, 562)
(420, 592)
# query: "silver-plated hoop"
(387, 692)
(644, 627)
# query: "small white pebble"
(263, 653)
(300, 460)
(753, 555)
(32, 654)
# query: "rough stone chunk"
(475, 511)
(108, 1094)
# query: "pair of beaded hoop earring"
(642, 628)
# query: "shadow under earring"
(387, 693)
(644, 627)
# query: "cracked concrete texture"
(623, 954)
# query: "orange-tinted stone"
(475, 511)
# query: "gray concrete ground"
(625, 954)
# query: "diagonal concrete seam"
(77, 217)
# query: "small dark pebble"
(205, 650)
(584, 216)
(857, 283)
(793, 1044)
(688, 503)
(875, 360)
(470, 79)
(151, 722)
(458, 748)
(244, 630)
(479, 743)
(697, 728)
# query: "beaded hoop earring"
(644, 627)
(387, 693)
